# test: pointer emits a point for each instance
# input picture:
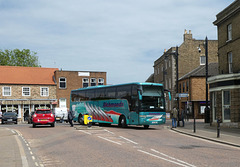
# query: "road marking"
(85, 132)
(109, 140)
(156, 156)
(33, 157)
(128, 140)
(36, 164)
(109, 131)
(173, 158)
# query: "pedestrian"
(183, 113)
(70, 117)
(174, 117)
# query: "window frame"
(4, 91)
(100, 81)
(230, 61)
(201, 58)
(229, 32)
(85, 82)
(65, 82)
(93, 82)
(42, 92)
(29, 91)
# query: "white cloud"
(123, 38)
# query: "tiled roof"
(27, 75)
(201, 71)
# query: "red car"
(43, 117)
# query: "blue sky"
(122, 38)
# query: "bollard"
(218, 128)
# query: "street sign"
(182, 95)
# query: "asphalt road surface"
(65, 146)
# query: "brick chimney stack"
(187, 36)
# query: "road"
(113, 146)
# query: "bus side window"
(110, 93)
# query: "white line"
(162, 158)
(109, 131)
(33, 157)
(128, 140)
(36, 164)
(173, 158)
(109, 140)
(29, 148)
(31, 152)
(85, 132)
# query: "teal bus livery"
(124, 104)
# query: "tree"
(17, 57)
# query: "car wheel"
(122, 122)
(2, 122)
(16, 122)
(34, 125)
(53, 125)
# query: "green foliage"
(17, 57)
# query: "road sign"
(182, 95)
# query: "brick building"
(193, 84)
(23, 89)
(70, 80)
(225, 88)
(189, 58)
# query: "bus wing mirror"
(140, 95)
(169, 95)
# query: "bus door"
(134, 114)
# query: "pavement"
(12, 152)
(227, 136)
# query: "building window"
(170, 83)
(183, 87)
(62, 103)
(100, 81)
(202, 60)
(93, 82)
(7, 91)
(187, 86)
(214, 105)
(229, 29)
(180, 86)
(230, 62)
(26, 91)
(85, 82)
(44, 91)
(62, 83)
(226, 105)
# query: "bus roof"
(107, 86)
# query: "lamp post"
(178, 124)
(207, 113)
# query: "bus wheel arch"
(122, 122)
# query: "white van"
(61, 114)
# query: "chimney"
(187, 36)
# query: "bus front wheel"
(122, 122)
(146, 126)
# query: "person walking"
(174, 117)
(70, 117)
(1, 116)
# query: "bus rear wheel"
(122, 122)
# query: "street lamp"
(176, 54)
(207, 112)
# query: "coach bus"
(124, 104)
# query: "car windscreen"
(43, 112)
(9, 114)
